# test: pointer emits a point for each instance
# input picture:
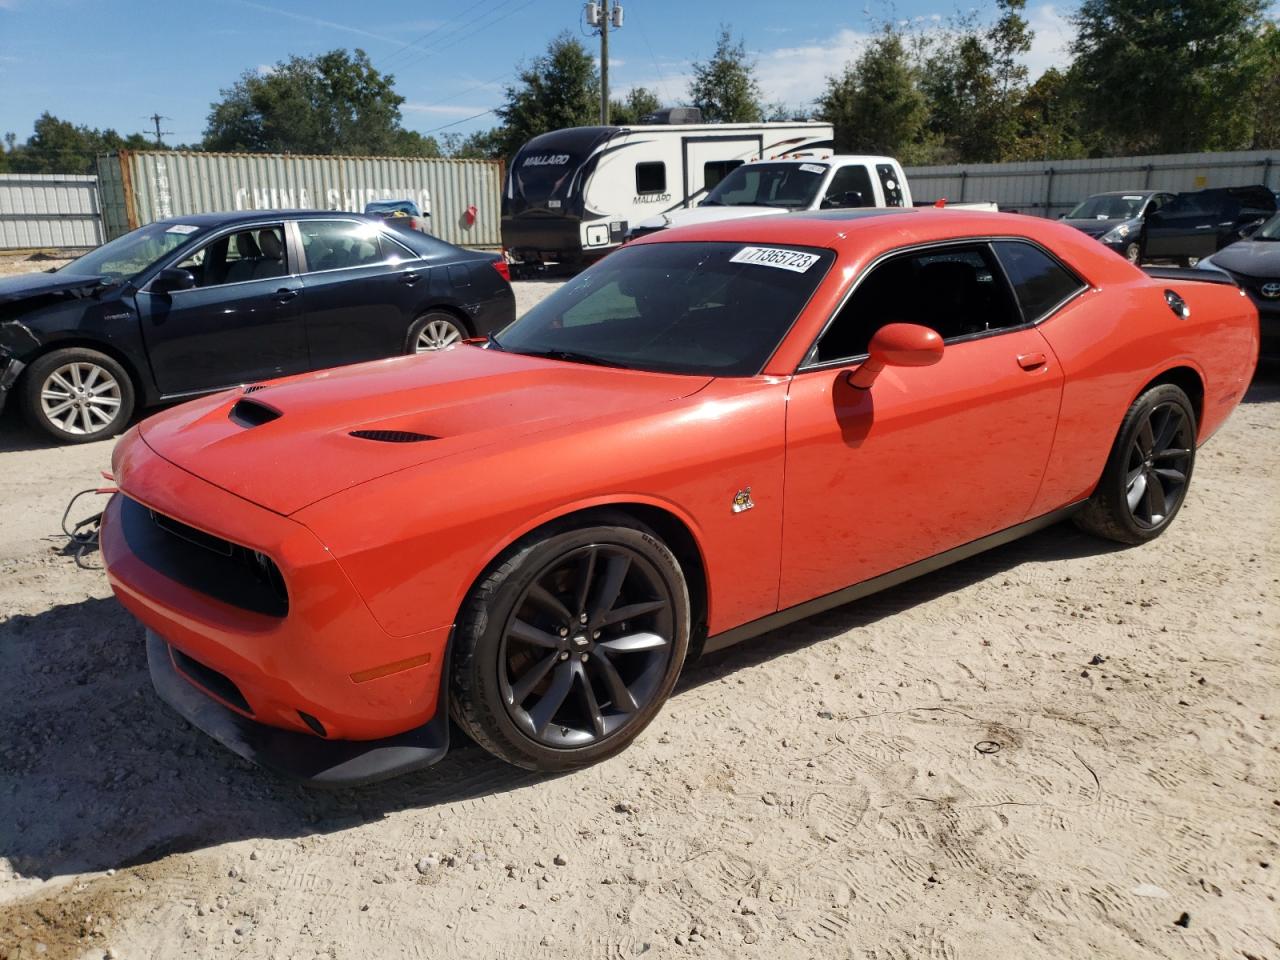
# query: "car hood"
(27, 285)
(1097, 228)
(1253, 258)
(696, 215)
(287, 444)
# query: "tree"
(640, 102)
(334, 103)
(876, 105)
(1266, 95)
(59, 146)
(725, 87)
(559, 89)
(481, 145)
(1049, 121)
(1161, 77)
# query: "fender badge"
(742, 500)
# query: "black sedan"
(1115, 219)
(188, 306)
(1255, 265)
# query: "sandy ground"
(1059, 749)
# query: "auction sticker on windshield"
(182, 228)
(794, 260)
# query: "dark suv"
(1192, 226)
(188, 306)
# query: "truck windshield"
(705, 309)
(790, 185)
(125, 257)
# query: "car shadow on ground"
(100, 774)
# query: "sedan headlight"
(1117, 234)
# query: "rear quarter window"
(1040, 282)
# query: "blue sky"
(111, 63)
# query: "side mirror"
(1249, 229)
(897, 345)
(173, 278)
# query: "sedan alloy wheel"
(80, 397)
(436, 335)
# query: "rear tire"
(435, 330)
(76, 395)
(1148, 471)
(570, 645)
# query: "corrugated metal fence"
(139, 187)
(1048, 188)
(39, 211)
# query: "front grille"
(392, 436)
(229, 572)
(219, 684)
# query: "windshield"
(706, 309)
(1269, 230)
(125, 257)
(789, 185)
(1108, 208)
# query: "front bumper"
(312, 686)
(329, 763)
(10, 367)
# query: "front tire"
(76, 395)
(568, 648)
(1133, 253)
(1148, 472)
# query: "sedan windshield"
(125, 257)
(1269, 230)
(788, 185)
(1105, 207)
(707, 309)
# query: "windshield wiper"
(572, 356)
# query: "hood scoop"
(392, 436)
(252, 413)
(254, 388)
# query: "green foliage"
(1161, 77)
(559, 89)
(481, 145)
(640, 102)
(725, 87)
(876, 105)
(1266, 93)
(59, 146)
(334, 103)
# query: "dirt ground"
(1058, 749)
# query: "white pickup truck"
(782, 186)
(763, 187)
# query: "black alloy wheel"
(568, 647)
(1159, 465)
(587, 646)
(1146, 477)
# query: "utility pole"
(601, 16)
(156, 118)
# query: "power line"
(456, 122)
(435, 30)
(456, 35)
(156, 118)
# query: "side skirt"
(886, 580)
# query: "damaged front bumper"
(10, 367)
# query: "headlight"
(1116, 235)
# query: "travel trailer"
(572, 195)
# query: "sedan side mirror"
(897, 345)
(173, 278)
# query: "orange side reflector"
(389, 668)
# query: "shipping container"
(47, 211)
(137, 187)
(1049, 188)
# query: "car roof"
(232, 217)
(1127, 193)
(834, 158)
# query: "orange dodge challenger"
(707, 435)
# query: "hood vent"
(251, 413)
(392, 436)
(254, 387)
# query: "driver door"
(928, 458)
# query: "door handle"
(1030, 361)
(284, 295)
(409, 279)
(1204, 226)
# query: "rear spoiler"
(1190, 273)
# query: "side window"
(713, 171)
(850, 187)
(1039, 282)
(955, 290)
(254, 254)
(890, 183)
(651, 177)
(341, 244)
